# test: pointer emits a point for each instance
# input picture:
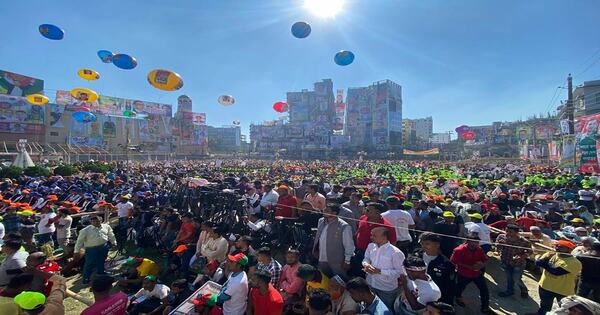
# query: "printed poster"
(56, 112)
(15, 84)
(589, 158)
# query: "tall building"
(374, 117)
(440, 138)
(423, 128)
(586, 98)
(224, 139)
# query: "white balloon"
(226, 100)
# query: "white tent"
(23, 160)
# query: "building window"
(54, 133)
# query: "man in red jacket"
(286, 204)
(373, 219)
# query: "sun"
(324, 8)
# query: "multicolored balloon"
(281, 107)
(236, 122)
(165, 80)
(468, 135)
(84, 117)
(301, 29)
(52, 32)
(105, 55)
(343, 58)
(84, 95)
(124, 61)
(88, 74)
(37, 99)
(226, 100)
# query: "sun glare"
(324, 8)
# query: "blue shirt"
(376, 308)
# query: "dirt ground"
(496, 284)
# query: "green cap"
(150, 278)
(28, 300)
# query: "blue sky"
(462, 62)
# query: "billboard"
(110, 105)
(56, 112)
(19, 116)
(545, 131)
(523, 133)
(19, 85)
(198, 119)
(87, 134)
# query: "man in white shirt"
(269, 198)
(402, 221)
(124, 209)
(383, 264)
(151, 298)
(63, 228)
(46, 226)
(481, 229)
(234, 293)
(417, 286)
(253, 199)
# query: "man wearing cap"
(402, 221)
(264, 298)
(234, 292)
(514, 251)
(450, 229)
(11, 219)
(93, 241)
(151, 299)
(334, 246)
(207, 305)
(342, 302)
(558, 276)
(31, 302)
(481, 229)
(137, 269)
(63, 229)
(45, 226)
(124, 209)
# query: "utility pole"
(570, 112)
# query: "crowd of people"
(290, 237)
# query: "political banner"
(567, 156)
(587, 126)
(19, 116)
(19, 85)
(114, 106)
(544, 132)
(433, 151)
(86, 134)
(564, 126)
(198, 119)
(524, 133)
(589, 158)
(56, 113)
(554, 150)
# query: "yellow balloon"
(165, 80)
(37, 99)
(84, 95)
(88, 74)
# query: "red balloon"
(281, 107)
(468, 135)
